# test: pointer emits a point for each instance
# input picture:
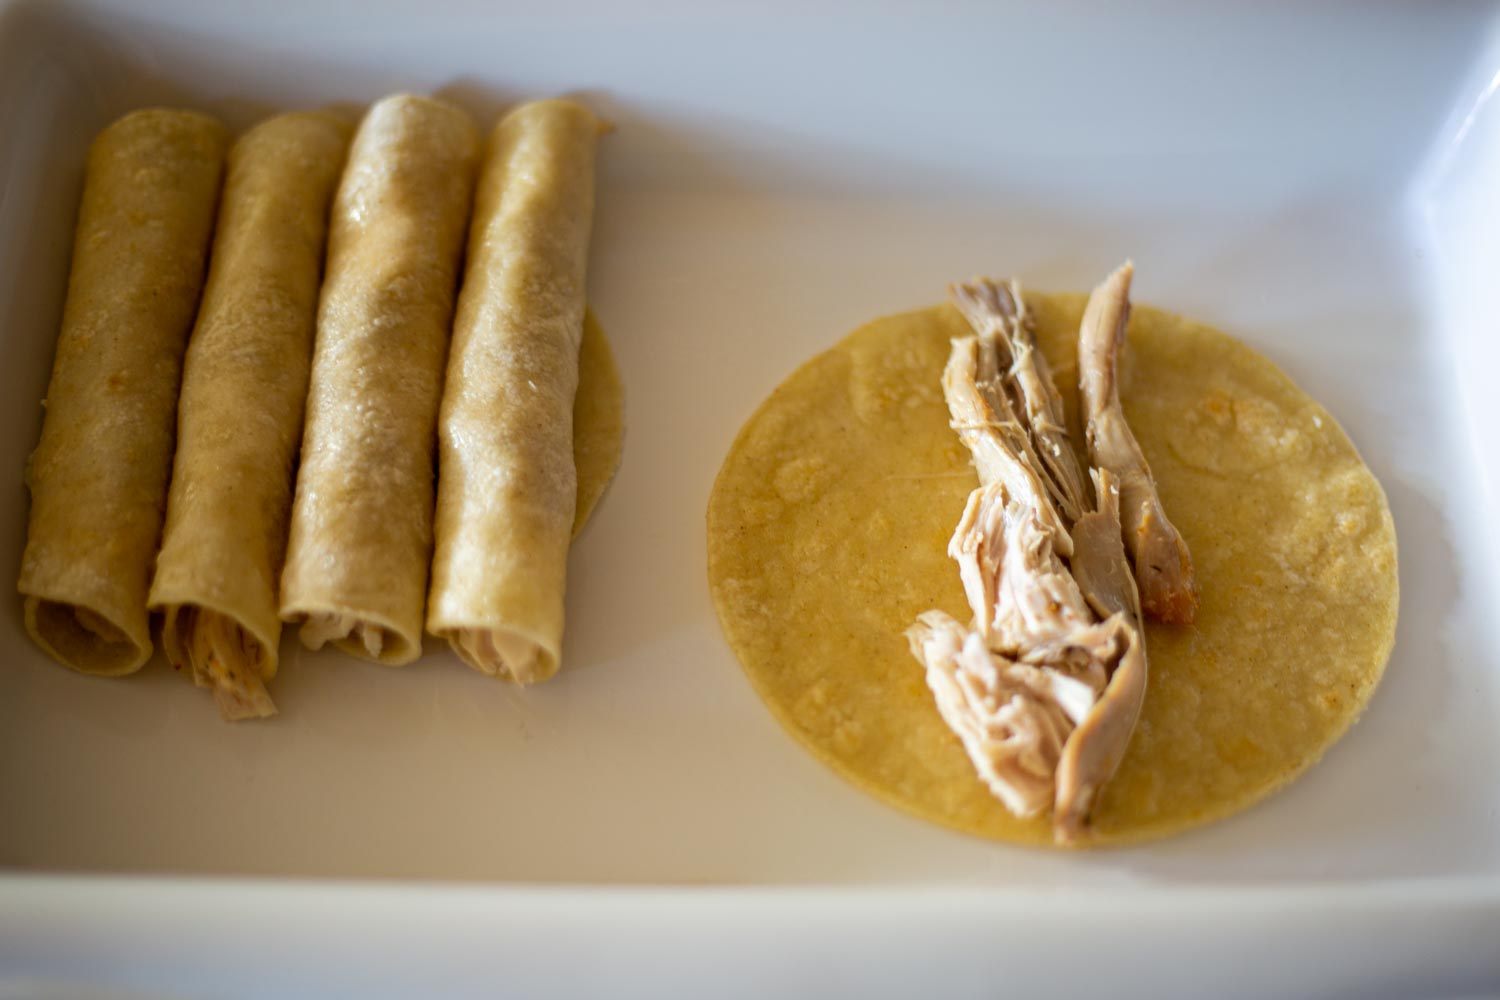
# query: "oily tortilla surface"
(827, 535)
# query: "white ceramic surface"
(1321, 182)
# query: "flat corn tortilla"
(598, 420)
(827, 536)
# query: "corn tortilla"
(507, 484)
(829, 521)
(99, 475)
(598, 420)
(245, 378)
(360, 541)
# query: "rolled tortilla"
(507, 483)
(361, 532)
(240, 416)
(98, 478)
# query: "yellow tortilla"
(598, 420)
(361, 530)
(507, 483)
(98, 478)
(240, 416)
(827, 531)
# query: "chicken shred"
(333, 627)
(997, 312)
(1013, 719)
(500, 653)
(1163, 567)
(1098, 745)
(221, 655)
(1044, 686)
(989, 427)
(1099, 564)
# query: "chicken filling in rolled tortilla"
(220, 655)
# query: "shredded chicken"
(1009, 566)
(1097, 746)
(989, 427)
(221, 655)
(323, 628)
(1044, 687)
(1099, 564)
(1036, 681)
(1037, 602)
(1013, 719)
(499, 653)
(997, 312)
(1163, 567)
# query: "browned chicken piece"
(988, 426)
(1093, 752)
(997, 313)
(1163, 567)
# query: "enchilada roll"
(508, 485)
(361, 529)
(240, 415)
(98, 478)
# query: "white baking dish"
(1324, 183)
